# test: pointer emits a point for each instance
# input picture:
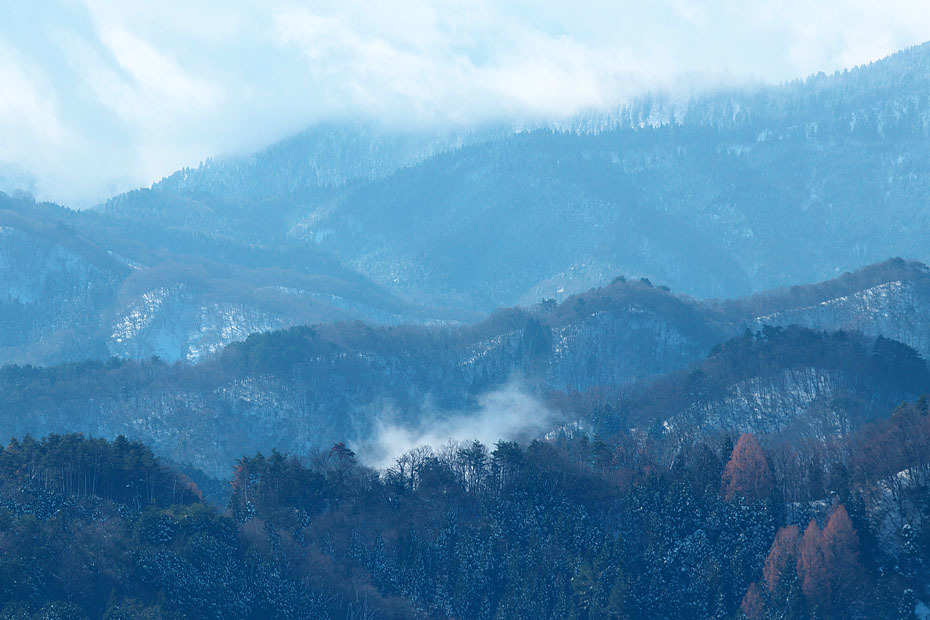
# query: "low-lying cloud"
(511, 413)
(100, 97)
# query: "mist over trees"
(568, 527)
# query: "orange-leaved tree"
(813, 568)
(841, 550)
(782, 554)
(753, 606)
(747, 473)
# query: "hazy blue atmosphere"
(99, 98)
(464, 310)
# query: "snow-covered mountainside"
(308, 387)
(898, 310)
(172, 323)
(785, 382)
(73, 288)
(705, 201)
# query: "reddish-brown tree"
(813, 567)
(747, 473)
(841, 551)
(783, 553)
(753, 606)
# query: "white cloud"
(100, 96)
(157, 77)
(20, 99)
(509, 413)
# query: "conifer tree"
(783, 553)
(841, 552)
(813, 567)
(747, 473)
(753, 605)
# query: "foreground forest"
(572, 526)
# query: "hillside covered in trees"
(608, 360)
(648, 363)
(569, 527)
(702, 195)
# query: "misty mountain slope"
(257, 199)
(173, 292)
(707, 204)
(789, 382)
(54, 284)
(324, 156)
(75, 286)
(489, 223)
(308, 387)
(890, 299)
(892, 90)
(704, 197)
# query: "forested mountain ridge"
(75, 286)
(325, 156)
(888, 299)
(74, 293)
(384, 225)
(783, 383)
(703, 197)
(307, 387)
(104, 292)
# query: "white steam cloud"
(511, 413)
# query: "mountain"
(311, 386)
(887, 299)
(783, 382)
(706, 204)
(356, 221)
(704, 197)
(328, 155)
(306, 387)
(195, 263)
(78, 286)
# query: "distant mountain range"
(75, 286)
(706, 197)
(351, 275)
(307, 387)
(724, 196)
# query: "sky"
(101, 97)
